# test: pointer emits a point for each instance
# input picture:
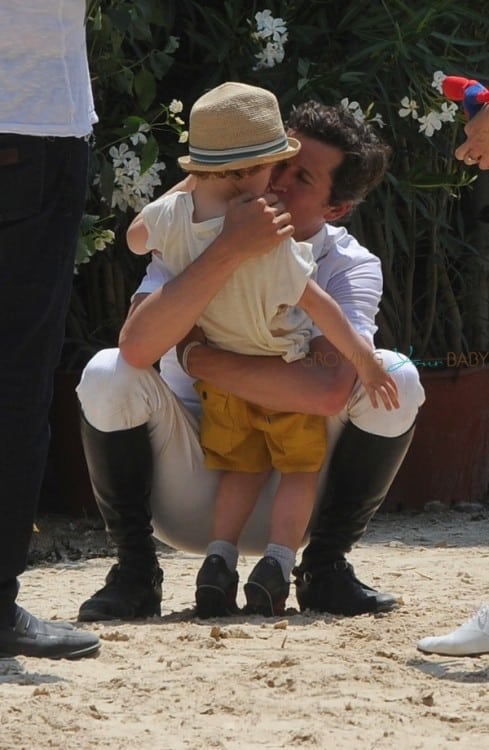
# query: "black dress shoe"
(130, 593)
(30, 636)
(266, 590)
(216, 588)
(334, 588)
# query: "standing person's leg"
(43, 184)
(365, 461)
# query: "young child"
(266, 307)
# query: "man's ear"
(334, 211)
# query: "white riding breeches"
(115, 396)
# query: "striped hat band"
(236, 126)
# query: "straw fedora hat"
(236, 126)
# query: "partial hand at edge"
(475, 149)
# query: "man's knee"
(110, 392)
(406, 376)
(411, 396)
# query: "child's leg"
(292, 508)
(233, 445)
(217, 580)
(267, 588)
(236, 497)
(297, 445)
(291, 512)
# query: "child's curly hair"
(237, 174)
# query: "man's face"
(303, 184)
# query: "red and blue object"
(471, 93)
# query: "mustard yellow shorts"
(239, 436)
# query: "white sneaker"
(469, 639)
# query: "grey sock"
(284, 555)
(226, 550)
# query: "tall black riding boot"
(361, 472)
(120, 468)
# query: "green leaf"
(145, 88)
(106, 181)
(160, 63)
(132, 124)
(149, 154)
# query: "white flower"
(267, 26)
(179, 121)
(131, 188)
(408, 107)
(124, 159)
(429, 123)
(378, 119)
(271, 34)
(448, 112)
(119, 154)
(183, 137)
(175, 106)
(262, 18)
(270, 55)
(108, 236)
(354, 108)
(99, 244)
(139, 136)
(347, 104)
(438, 78)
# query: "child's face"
(257, 182)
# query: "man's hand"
(475, 150)
(254, 226)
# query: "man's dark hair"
(366, 155)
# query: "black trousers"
(42, 196)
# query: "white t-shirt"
(44, 80)
(345, 269)
(254, 312)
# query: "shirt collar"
(317, 241)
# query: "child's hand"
(378, 383)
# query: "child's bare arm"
(335, 326)
(137, 236)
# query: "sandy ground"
(306, 681)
